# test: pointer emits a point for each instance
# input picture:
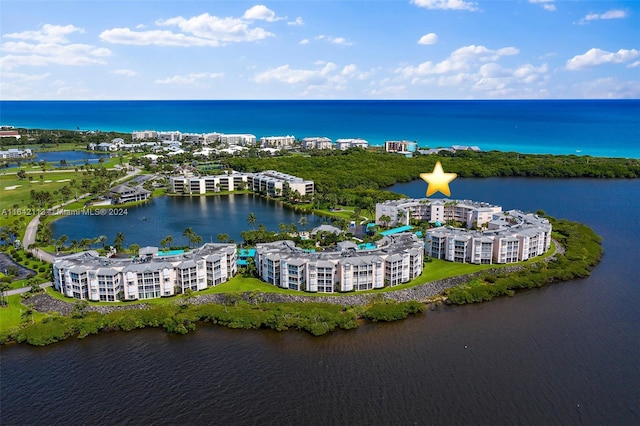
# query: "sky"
(353, 49)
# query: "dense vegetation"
(583, 252)
(357, 177)
(315, 318)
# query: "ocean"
(581, 127)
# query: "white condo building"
(436, 210)
(269, 182)
(396, 259)
(277, 141)
(344, 144)
(317, 143)
(86, 275)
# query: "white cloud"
(610, 14)
(49, 46)
(447, 4)
(304, 41)
(459, 60)
(334, 40)
(47, 34)
(328, 77)
(472, 70)
(430, 38)
(128, 73)
(594, 57)
(189, 79)
(261, 12)
(201, 30)
(546, 4)
(24, 77)
(298, 21)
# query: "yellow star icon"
(438, 180)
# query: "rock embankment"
(422, 293)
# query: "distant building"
(237, 139)
(344, 144)
(127, 194)
(144, 135)
(277, 141)
(15, 153)
(273, 183)
(151, 275)
(317, 143)
(203, 184)
(401, 147)
(10, 134)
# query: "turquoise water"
(170, 252)
(592, 127)
(396, 230)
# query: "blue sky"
(373, 49)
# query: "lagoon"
(209, 216)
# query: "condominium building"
(317, 143)
(269, 182)
(277, 141)
(511, 237)
(86, 275)
(273, 183)
(344, 144)
(396, 259)
(194, 185)
(401, 147)
(16, 153)
(173, 136)
(237, 139)
(441, 210)
(144, 135)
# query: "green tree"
(118, 241)
(223, 238)
(188, 233)
(252, 220)
(134, 249)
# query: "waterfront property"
(489, 236)
(269, 182)
(122, 194)
(400, 212)
(15, 153)
(395, 259)
(152, 274)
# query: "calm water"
(605, 128)
(565, 354)
(208, 216)
(78, 158)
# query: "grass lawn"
(10, 315)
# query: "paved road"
(26, 289)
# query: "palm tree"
(223, 237)
(188, 233)
(103, 240)
(118, 241)
(252, 220)
(303, 222)
(134, 249)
